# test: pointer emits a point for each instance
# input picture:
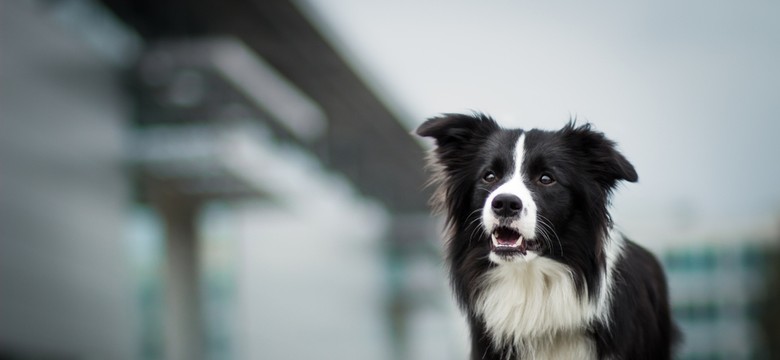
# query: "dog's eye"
(546, 179)
(489, 177)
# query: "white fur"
(613, 248)
(532, 304)
(563, 346)
(526, 222)
(528, 300)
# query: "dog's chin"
(508, 245)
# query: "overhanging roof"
(363, 140)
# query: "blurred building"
(718, 296)
(203, 179)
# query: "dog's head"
(514, 195)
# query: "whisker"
(473, 223)
(545, 235)
(547, 224)
(547, 231)
(483, 189)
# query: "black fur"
(587, 168)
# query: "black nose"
(507, 205)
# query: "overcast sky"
(689, 90)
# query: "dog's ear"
(457, 129)
(607, 163)
(458, 139)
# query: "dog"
(534, 261)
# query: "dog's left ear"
(609, 165)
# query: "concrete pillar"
(183, 321)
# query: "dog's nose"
(507, 205)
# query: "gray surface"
(64, 285)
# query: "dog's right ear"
(454, 129)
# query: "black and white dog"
(534, 261)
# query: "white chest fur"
(567, 346)
(534, 306)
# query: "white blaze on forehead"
(515, 185)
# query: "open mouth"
(508, 241)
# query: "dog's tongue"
(506, 240)
(506, 236)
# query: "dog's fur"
(539, 271)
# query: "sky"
(687, 89)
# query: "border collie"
(534, 261)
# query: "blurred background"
(237, 179)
